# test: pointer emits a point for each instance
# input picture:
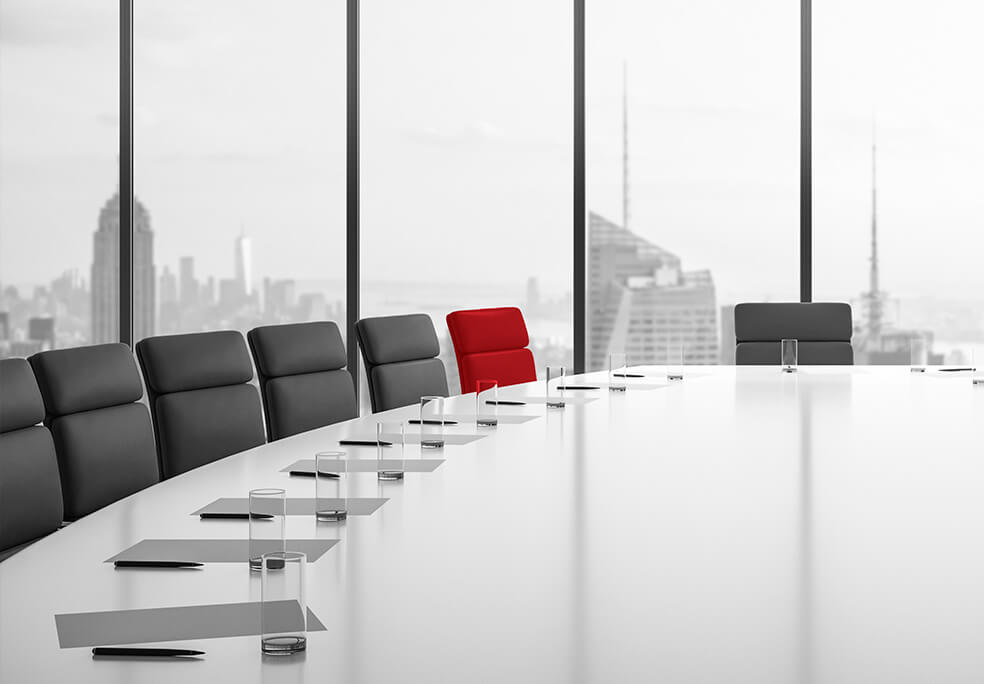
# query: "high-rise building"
(244, 265)
(106, 273)
(169, 315)
(643, 303)
(640, 300)
(189, 285)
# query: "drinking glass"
(555, 387)
(789, 355)
(390, 457)
(486, 414)
(432, 422)
(674, 361)
(283, 604)
(330, 493)
(917, 355)
(267, 518)
(618, 370)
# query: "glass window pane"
(59, 211)
(693, 172)
(893, 93)
(467, 163)
(240, 161)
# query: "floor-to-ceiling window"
(466, 163)
(692, 172)
(898, 158)
(59, 137)
(239, 116)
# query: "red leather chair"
(490, 344)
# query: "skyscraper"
(106, 273)
(189, 288)
(244, 265)
(640, 300)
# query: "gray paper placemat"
(503, 419)
(569, 399)
(294, 506)
(635, 387)
(182, 623)
(214, 550)
(450, 438)
(410, 465)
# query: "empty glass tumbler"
(555, 387)
(283, 603)
(674, 361)
(390, 457)
(267, 522)
(917, 355)
(486, 406)
(330, 486)
(432, 422)
(618, 370)
(789, 355)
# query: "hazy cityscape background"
(466, 163)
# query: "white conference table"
(739, 526)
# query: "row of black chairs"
(98, 443)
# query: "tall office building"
(244, 265)
(189, 288)
(642, 302)
(106, 273)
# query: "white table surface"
(739, 526)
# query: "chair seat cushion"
(510, 367)
(297, 403)
(189, 434)
(103, 456)
(809, 354)
(486, 330)
(86, 378)
(395, 339)
(30, 490)
(297, 348)
(402, 384)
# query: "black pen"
(156, 564)
(629, 375)
(310, 473)
(233, 516)
(417, 421)
(502, 402)
(577, 387)
(146, 652)
(955, 370)
(363, 442)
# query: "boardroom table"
(740, 525)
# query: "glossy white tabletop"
(739, 526)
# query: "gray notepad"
(295, 506)
(181, 623)
(410, 465)
(214, 550)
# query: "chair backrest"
(302, 374)
(400, 355)
(30, 490)
(490, 344)
(202, 403)
(823, 330)
(103, 437)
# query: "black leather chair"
(400, 355)
(823, 331)
(103, 437)
(202, 403)
(30, 490)
(303, 381)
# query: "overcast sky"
(467, 137)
